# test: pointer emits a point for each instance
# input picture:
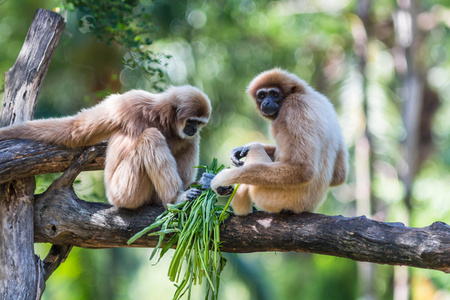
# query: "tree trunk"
(22, 273)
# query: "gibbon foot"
(205, 181)
(225, 190)
(189, 195)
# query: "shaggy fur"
(149, 159)
(309, 155)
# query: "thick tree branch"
(22, 158)
(62, 218)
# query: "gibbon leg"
(147, 166)
(242, 202)
(340, 168)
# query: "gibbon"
(153, 142)
(309, 156)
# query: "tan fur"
(310, 154)
(147, 161)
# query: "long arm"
(276, 174)
(265, 174)
(240, 152)
(86, 128)
(186, 161)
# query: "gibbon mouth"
(269, 113)
(269, 109)
(189, 131)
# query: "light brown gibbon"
(309, 156)
(153, 142)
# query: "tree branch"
(22, 158)
(62, 218)
(55, 257)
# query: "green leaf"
(195, 226)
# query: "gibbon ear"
(297, 88)
(165, 114)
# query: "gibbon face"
(269, 101)
(192, 126)
(193, 111)
(271, 88)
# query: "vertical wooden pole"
(21, 272)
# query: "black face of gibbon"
(269, 100)
(191, 127)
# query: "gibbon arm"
(160, 166)
(277, 174)
(186, 161)
(300, 167)
(240, 152)
(87, 128)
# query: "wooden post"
(21, 272)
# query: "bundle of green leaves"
(194, 226)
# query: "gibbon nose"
(269, 108)
(190, 130)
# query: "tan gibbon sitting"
(153, 142)
(309, 156)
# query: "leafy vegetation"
(219, 46)
(194, 227)
(125, 23)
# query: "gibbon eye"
(261, 95)
(192, 122)
(274, 94)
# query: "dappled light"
(372, 68)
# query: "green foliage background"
(220, 46)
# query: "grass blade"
(195, 228)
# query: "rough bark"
(62, 218)
(22, 158)
(21, 272)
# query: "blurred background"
(385, 65)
